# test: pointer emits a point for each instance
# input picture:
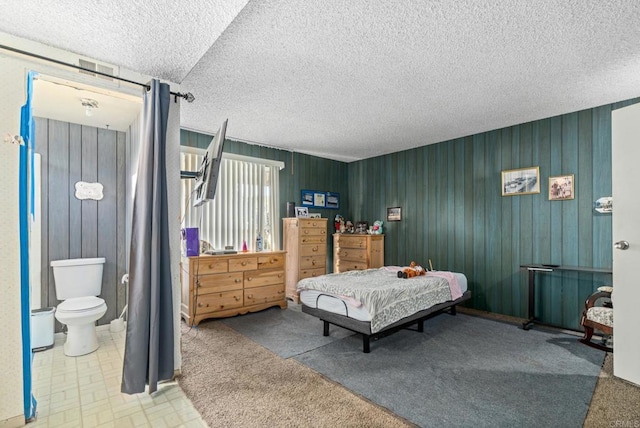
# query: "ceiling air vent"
(96, 67)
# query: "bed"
(376, 302)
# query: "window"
(246, 202)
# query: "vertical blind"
(246, 203)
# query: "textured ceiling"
(160, 38)
(354, 79)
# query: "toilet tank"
(77, 277)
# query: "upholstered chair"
(598, 315)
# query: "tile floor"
(85, 391)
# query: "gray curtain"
(149, 353)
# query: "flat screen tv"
(207, 177)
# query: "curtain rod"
(188, 96)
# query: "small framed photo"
(332, 200)
(307, 198)
(394, 214)
(523, 181)
(318, 200)
(302, 212)
(561, 188)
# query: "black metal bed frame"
(364, 327)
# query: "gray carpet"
(284, 332)
(462, 371)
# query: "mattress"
(349, 307)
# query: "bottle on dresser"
(259, 243)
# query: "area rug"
(234, 382)
(468, 371)
(284, 332)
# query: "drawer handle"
(250, 296)
(346, 253)
(237, 280)
(237, 298)
(314, 249)
(201, 305)
(250, 279)
(272, 261)
(306, 232)
(313, 262)
(314, 223)
(243, 263)
(304, 239)
(280, 292)
(279, 275)
(323, 232)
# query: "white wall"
(12, 94)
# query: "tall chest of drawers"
(357, 252)
(219, 286)
(305, 241)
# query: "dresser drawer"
(310, 223)
(270, 293)
(308, 231)
(308, 273)
(242, 264)
(260, 278)
(347, 265)
(313, 250)
(219, 282)
(347, 241)
(313, 239)
(312, 262)
(207, 265)
(268, 262)
(352, 254)
(219, 301)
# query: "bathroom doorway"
(83, 134)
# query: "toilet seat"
(80, 304)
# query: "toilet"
(78, 284)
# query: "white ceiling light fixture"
(89, 105)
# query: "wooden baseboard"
(491, 315)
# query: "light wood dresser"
(216, 286)
(305, 241)
(357, 252)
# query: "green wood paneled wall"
(453, 212)
(301, 172)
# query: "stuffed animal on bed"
(411, 271)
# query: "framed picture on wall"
(394, 214)
(318, 200)
(561, 188)
(333, 200)
(523, 181)
(307, 198)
